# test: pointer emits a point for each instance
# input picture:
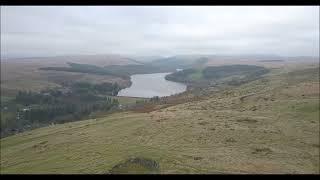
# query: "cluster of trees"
(63, 112)
(85, 68)
(27, 97)
(31, 109)
(154, 99)
(238, 74)
(123, 71)
(135, 69)
(181, 76)
(104, 88)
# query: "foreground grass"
(266, 126)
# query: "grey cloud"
(51, 31)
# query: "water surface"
(149, 85)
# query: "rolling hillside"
(24, 73)
(270, 125)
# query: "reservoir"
(149, 85)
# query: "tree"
(154, 99)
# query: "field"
(127, 100)
(270, 125)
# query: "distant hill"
(271, 60)
(98, 60)
(24, 73)
(145, 59)
(181, 61)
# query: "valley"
(107, 90)
(267, 125)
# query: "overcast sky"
(51, 31)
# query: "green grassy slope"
(270, 125)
